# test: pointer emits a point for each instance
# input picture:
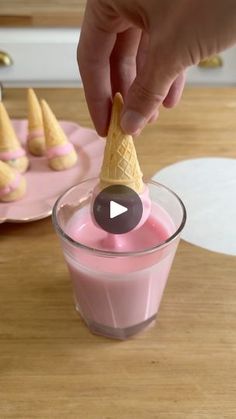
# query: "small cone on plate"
(120, 163)
(60, 152)
(10, 148)
(12, 183)
(35, 139)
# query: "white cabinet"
(47, 57)
(41, 57)
(225, 75)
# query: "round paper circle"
(207, 187)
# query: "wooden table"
(184, 367)
(58, 13)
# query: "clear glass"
(117, 293)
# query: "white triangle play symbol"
(116, 209)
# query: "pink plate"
(44, 185)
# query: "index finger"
(94, 50)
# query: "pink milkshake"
(118, 280)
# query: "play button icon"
(117, 209)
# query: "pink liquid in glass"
(119, 292)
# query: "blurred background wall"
(38, 42)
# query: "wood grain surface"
(41, 12)
(185, 366)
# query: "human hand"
(142, 48)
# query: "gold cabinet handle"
(5, 59)
(212, 62)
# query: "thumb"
(148, 91)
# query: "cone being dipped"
(121, 179)
(120, 163)
(11, 151)
(35, 138)
(60, 152)
(12, 183)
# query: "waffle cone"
(120, 163)
(35, 119)
(54, 134)
(8, 138)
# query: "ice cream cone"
(35, 139)
(8, 138)
(12, 183)
(120, 164)
(10, 149)
(61, 153)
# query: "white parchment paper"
(207, 187)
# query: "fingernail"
(132, 122)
